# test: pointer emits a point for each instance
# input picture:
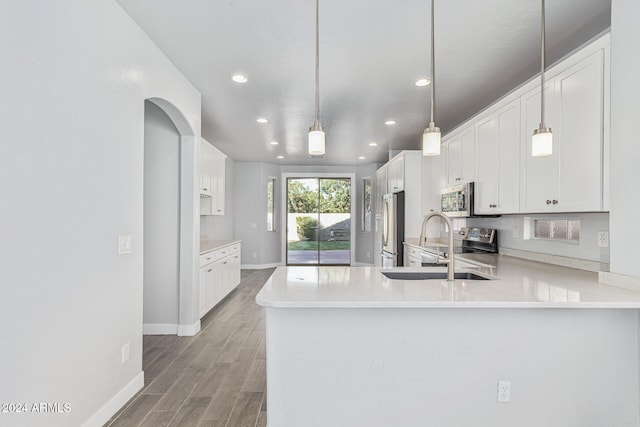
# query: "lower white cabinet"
(412, 256)
(219, 275)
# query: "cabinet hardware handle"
(548, 202)
(205, 189)
(225, 262)
(209, 270)
(555, 202)
(431, 210)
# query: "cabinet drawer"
(411, 251)
(207, 258)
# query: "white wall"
(161, 219)
(221, 227)
(625, 142)
(259, 246)
(74, 79)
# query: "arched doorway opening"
(171, 221)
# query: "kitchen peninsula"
(347, 346)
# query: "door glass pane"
(302, 221)
(334, 230)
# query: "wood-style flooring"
(216, 378)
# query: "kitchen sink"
(430, 275)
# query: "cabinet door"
(460, 153)
(434, 178)
(396, 174)
(454, 160)
(539, 174)
(486, 187)
(211, 292)
(468, 156)
(203, 290)
(580, 112)
(218, 281)
(509, 137)
(219, 188)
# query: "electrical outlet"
(603, 239)
(124, 245)
(504, 391)
(125, 352)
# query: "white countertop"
(212, 245)
(518, 284)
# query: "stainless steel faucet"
(423, 239)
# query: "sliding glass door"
(318, 221)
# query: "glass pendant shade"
(431, 142)
(316, 142)
(542, 142)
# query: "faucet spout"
(423, 239)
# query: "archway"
(181, 302)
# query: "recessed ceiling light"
(390, 122)
(274, 143)
(373, 144)
(239, 78)
(262, 120)
(422, 82)
(280, 157)
(361, 158)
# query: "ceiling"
(371, 53)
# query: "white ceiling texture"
(371, 54)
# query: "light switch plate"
(124, 245)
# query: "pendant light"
(542, 140)
(431, 135)
(316, 133)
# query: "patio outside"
(319, 221)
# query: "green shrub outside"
(306, 227)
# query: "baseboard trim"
(116, 402)
(618, 280)
(160, 329)
(188, 330)
(362, 264)
(261, 266)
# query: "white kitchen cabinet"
(460, 155)
(405, 174)
(498, 161)
(396, 171)
(434, 177)
(219, 275)
(412, 256)
(571, 179)
(212, 179)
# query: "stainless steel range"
(474, 240)
(479, 240)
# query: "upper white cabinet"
(571, 179)
(404, 173)
(395, 171)
(434, 177)
(507, 178)
(498, 161)
(460, 155)
(212, 179)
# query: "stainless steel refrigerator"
(392, 229)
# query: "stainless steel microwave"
(457, 200)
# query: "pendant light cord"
(542, 42)
(433, 66)
(317, 63)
